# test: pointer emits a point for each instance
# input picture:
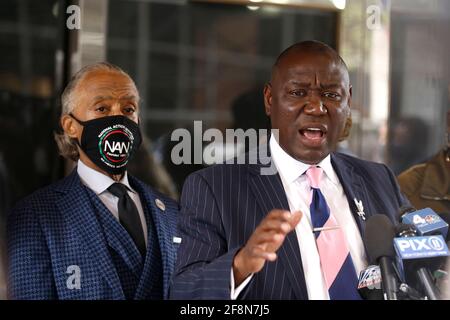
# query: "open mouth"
(313, 132)
(313, 135)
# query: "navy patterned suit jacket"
(222, 205)
(57, 229)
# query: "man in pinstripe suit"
(99, 233)
(250, 236)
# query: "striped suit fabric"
(222, 205)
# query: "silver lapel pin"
(360, 209)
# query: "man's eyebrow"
(330, 85)
(300, 83)
(101, 98)
(129, 97)
(323, 86)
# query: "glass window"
(205, 61)
(30, 35)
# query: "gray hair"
(68, 146)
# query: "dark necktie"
(337, 265)
(129, 216)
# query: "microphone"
(369, 283)
(416, 256)
(426, 221)
(378, 239)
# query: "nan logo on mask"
(114, 145)
(110, 142)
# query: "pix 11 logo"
(73, 21)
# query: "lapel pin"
(176, 240)
(360, 209)
(160, 204)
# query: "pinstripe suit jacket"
(222, 205)
(60, 226)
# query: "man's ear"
(348, 121)
(347, 126)
(268, 98)
(69, 125)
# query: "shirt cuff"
(236, 291)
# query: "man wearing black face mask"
(98, 233)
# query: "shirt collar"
(291, 169)
(96, 181)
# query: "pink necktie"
(337, 265)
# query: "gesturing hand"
(263, 243)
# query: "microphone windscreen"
(378, 237)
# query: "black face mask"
(110, 142)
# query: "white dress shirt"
(298, 193)
(99, 183)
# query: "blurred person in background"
(248, 111)
(145, 166)
(406, 144)
(248, 115)
(177, 172)
(99, 233)
(428, 184)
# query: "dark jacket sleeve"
(30, 272)
(204, 260)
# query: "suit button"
(160, 204)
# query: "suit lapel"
(155, 217)
(269, 193)
(85, 224)
(354, 189)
